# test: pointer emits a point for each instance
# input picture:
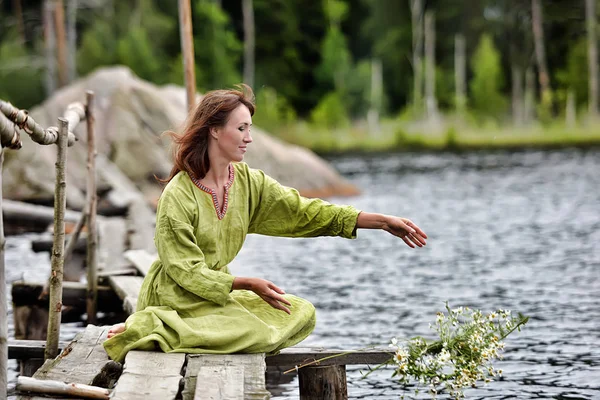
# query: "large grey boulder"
(131, 116)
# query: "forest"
(335, 74)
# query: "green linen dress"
(186, 303)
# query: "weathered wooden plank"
(24, 349)
(254, 372)
(128, 289)
(141, 259)
(150, 375)
(220, 382)
(299, 356)
(81, 361)
(112, 235)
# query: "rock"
(131, 116)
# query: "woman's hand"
(265, 289)
(406, 230)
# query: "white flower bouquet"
(469, 341)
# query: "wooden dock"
(145, 375)
(166, 376)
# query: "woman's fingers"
(276, 288)
(277, 304)
(416, 228)
(408, 242)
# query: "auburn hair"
(190, 148)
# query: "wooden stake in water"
(58, 245)
(3, 301)
(92, 201)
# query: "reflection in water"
(507, 230)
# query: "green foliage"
(273, 110)
(330, 112)
(575, 74)
(217, 49)
(487, 82)
(21, 73)
(136, 51)
(98, 47)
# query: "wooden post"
(58, 246)
(187, 49)
(61, 42)
(3, 301)
(323, 382)
(92, 201)
(72, 39)
(49, 47)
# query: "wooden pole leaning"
(3, 301)
(58, 246)
(9, 138)
(187, 49)
(91, 206)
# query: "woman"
(189, 302)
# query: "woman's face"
(234, 137)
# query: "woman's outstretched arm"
(404, 228)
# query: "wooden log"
(9, 136)
(25, 384)
(253, 377)
(32, 128)
(25, 212)
(24, 349)
(91, 207)
(74, 294)
(150, 375)
(323, 382)
(58, 246)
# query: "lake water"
(519, 231)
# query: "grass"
(395, 135)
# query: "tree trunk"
(3, 301)
(460, 72)
(19, 16)
(430, 100)
(529, 95)
(61, 42)
(540, 54)
(72, 39)
(187, 49)
(376, 96)
(249, 40)
(58, 246)
(49, 46)
(570, 112)
(590, 9)
(416, 8)
(517, 94)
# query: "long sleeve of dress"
(281, 211)
(182, 259)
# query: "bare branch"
(38, 134)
